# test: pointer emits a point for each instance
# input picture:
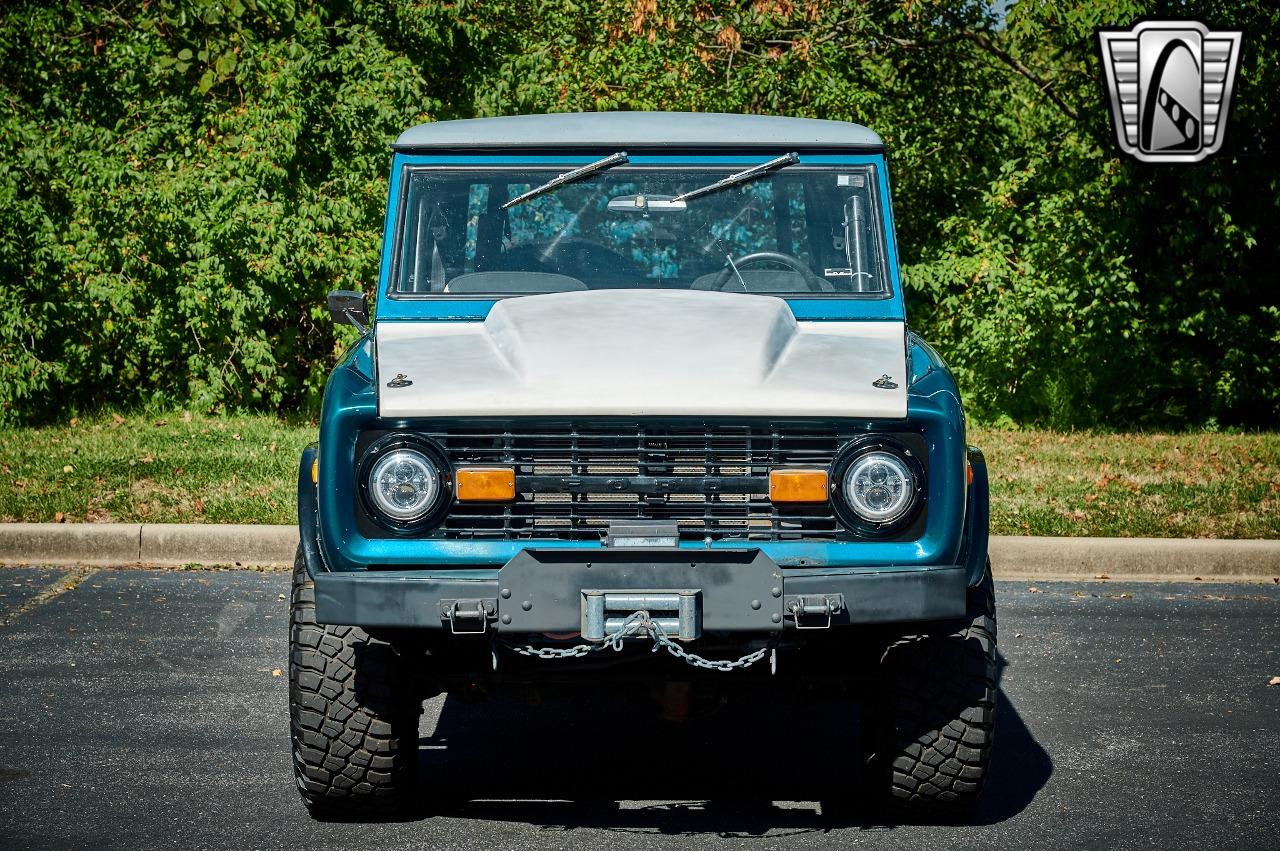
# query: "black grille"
(710, 478)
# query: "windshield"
(794, 229)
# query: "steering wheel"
(796, 265)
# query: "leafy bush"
(181, 182)
(180, 190)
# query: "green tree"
(181, 183)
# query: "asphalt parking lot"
(142, 709)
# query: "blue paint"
(388, 232)
(476, 309)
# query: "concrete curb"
(174, 544)
(161, 544)
(1134, 558)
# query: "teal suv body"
(640, 382)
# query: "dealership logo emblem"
(1170, 84)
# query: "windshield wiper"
(741, 177)
(568, 177)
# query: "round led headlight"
(405, 482)
(879, 487)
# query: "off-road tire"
(930, 726)
(353, 715)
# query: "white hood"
(642, 353)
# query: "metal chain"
(660, 639)
(635, 623)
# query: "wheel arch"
(309, 512)
(977, 525)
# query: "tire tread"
(936, 714)
(353, 721)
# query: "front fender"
(308, 513)
(977, 519)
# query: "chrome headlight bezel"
(847, 460)
(435, 459)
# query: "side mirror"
(348, 307)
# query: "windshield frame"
(395, 304)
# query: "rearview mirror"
(646, 204)
(348, 307)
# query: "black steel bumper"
(567, 591)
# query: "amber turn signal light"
(798, 486)
(485, 484)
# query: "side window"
(769, 217)
(862, 246)
(537, 221)
(433, 244)
(477, 205)
(510, 239)
(858, 268)
(792, 228)
(747, 224)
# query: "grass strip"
(183, 468)
(170, 468)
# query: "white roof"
(626, 130)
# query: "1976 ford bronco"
(638, 382)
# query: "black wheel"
(353, 715)
(928, 731)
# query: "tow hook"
(468, 617)
(814, 611)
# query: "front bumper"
(549, 591)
